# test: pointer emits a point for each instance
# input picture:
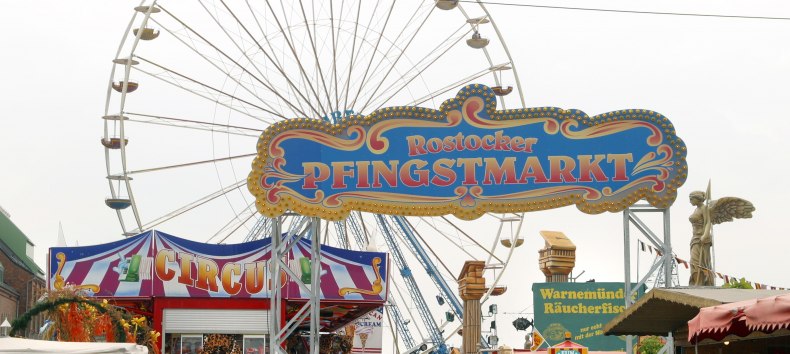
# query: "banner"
(467, 158)
(367, 332)
(158, 264)
(582, 309)
(648, 248)
(537, 340)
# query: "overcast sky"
(723, 82)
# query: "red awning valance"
(741, 318)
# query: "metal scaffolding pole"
(629, 340)
(281, 246)
(276, 296)
(664, 265)
(315, 278)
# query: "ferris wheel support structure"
(400, 325)
(435, 336)
(430, 268)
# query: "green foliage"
(737, 284)
(650, 345)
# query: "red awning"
(568, 347)
(741, 318)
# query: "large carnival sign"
(158, 264)
(467, 158)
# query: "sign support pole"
(278, 264)
(315, 286)
(661, 268)
(275, 341)
(629, 339)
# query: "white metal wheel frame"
(220, 72)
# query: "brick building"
(21, 280)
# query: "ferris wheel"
(193, 84)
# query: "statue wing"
(724, 209)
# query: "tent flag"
(537, 340)
(61, 237)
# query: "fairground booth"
(199, 294)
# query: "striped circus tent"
(158, 264)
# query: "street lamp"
(493, 340)
(4, 328)
(492, 309)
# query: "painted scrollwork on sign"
(467, 158)
(375, 288)
(60, 282)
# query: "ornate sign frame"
(467, 158)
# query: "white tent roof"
(22, 345)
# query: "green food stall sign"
(580, 308)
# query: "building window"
(29, 250)
(177, 343)
(2, 273)
(256, 344)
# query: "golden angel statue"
(708, 213)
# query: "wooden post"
(472, 287)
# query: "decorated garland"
(22, 322)
(78, 319)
